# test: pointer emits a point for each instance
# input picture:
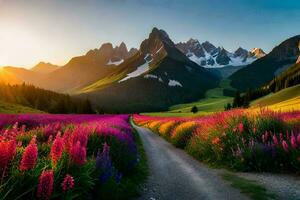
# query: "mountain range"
(266, 68)
(209, 56)
(158, 74)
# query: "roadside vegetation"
(242, 140)
(46, 156)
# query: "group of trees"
(45, 100)
(288, 78)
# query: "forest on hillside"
(44, 100)
(288, 78)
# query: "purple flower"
(104, 163)
(118, 177)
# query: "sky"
(57, 30)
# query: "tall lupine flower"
(263, 138)
(7, 152)
(50, 139)
(78, 154)
(68, 183)
(29, 156)
(118, 177)
(80, 134)
(281, 137)
(57, 148)
(293, 141)
(266, 135)
(285, 146)
(275, 140)
(66, 137)
(45, 186)
(241, 127)
(287, 135)
(104, 163)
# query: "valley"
(164, 119)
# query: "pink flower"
(79, 134)
(266, 135)
(285, 146)
(216, 141)
(254, 130)
(50, 139)
(78, 154)
(7, 152)
(275, 140)
(293, 141)
(281, 136)
(241, 127)
(298, 138)
(29, 156)
(19, 144)
(45, 186)
(57, 148)
(263, 138)
(68, 183)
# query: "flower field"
(66, 156)
(244, 140)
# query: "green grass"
(273, 98)
(10, 108)
(284, 100)
(249, 187)
(214, 102)
(102, 83)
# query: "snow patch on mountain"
(115, 62)
(139, 71)
(173, 83)
(159, 49)
(149, 76)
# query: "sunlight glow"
(18, 44)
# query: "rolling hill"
(289, 94)
(284, 100)
(10, 108)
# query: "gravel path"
(286, 187)
(174, 175)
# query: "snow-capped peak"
(207, 55)
(257, 52)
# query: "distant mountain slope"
(209, 56)
(266, 68)
(225, 72)
(84, 70)
(157, 76)
(19, 75)
(44, 68)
